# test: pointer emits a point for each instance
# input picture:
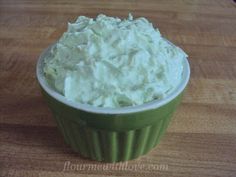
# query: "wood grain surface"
(201, 139)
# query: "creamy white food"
(109, 62)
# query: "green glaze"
(111, 137)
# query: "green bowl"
(111, 134)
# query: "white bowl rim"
(105, 110)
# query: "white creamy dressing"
(109, 62)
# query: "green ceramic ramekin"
(111, 134)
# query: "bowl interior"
(101, 110)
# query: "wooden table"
(201, 140)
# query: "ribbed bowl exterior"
(111, 138)
(111, 146)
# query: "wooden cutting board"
(201, 140)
